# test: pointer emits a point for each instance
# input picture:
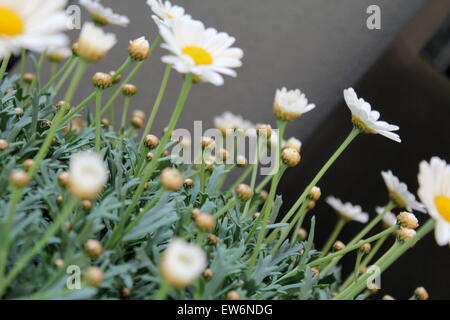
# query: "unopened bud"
(244, 192)
(233, 295)
(212, 239)
(205, 222)
(264, 130)
(365, 248)
(139, 49)
(338, 246)
(102, 80)
(28, 77)
(407, 220)
(136, 122)
(129, 89)
(241, 161)
(294, 143)
(315, 193)
(63, 178)
(405, 234)
(19, 178)
(27, 164)
(94, 276)
(188, 183)
(171, 179)
(93, 248)
(151, 141)
(421, 293)
(290, 157)
(302, 234)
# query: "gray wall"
(320, 46)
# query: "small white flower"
(203, 52)
(398, 192)
(366, 119)
(293, 143)
(34, 25)
(88, 175)
(434, 192)
(347, 210)
(93, 43)
(290, 104)
(229, 122)
(165, 13)
(103, 15)
(182, 263)
(389, 219)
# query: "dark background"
(323, 47)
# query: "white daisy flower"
(103, 15)
(366, 119)
(228, 122)
(290, 104)
(347, 210)
(88, 175)
(165, 13)
(434, 192)
(398, 192)
(293, 143)
(93, 43)
(204, 52)
(389, 219)
(34, 25)
(182, 263)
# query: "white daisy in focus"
(290, 104)
(182, 263)
(347, 210)
(398, 192)
(165, 13)
(34, 25)
(228, 122)
(203, 52)
(366, 119)
(103, 15)
(434, 192)
(389, 219)
(93, 43)
(88, 175)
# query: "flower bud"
(338, 246)
(207, 143)
(208, 273)
(205, 222)
(171, 179)
(102, 80)
(302, 234)
(93, 248)
(139, 114)
(94, 276)
(188, 183)
(68, 225)
(290, 157)
(294, 143)
(241, 161)
(407, 220)
(387, 297)
(233, 295)
(263, 195)
(244, 192)
(195, 213)
(115, 78)
(150, 156)
(264, 130)
(421, 293)
(63, 104)
(105, 122)
(136, 122)
(362, 270)
(28, 78)
(59, 199)
(223, 154)
(212, 239)
(27, 164)
(129, 90)
(405, 234)
(126, 292)
(63, 178)
(365, 248)
(86, 205)
(151, 141)
(256, 215)
(19, 111)
(139, 49)
(315, 193)
(315, 271)
(19, 178)
(59, 263)
(311, 205)
(46, 124)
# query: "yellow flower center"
(10, 23)
(169, 16)
(199, 55)
(443, 206)
(362, 125)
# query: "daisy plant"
(119, 202)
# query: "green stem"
(123, 122)
(79, 73)
(122, 68)
(57, 74)
(27, 257)
(357, 265)
(23, 58)
(4, 65)
(337, 230)
(255, 167)
(163, 291)
(187, 85)
(156, 105)
(301, 217)
(386, 261)
(66, 75)
(225, 208)
(80, 107)
(98, 120)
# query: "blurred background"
(323, 47)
